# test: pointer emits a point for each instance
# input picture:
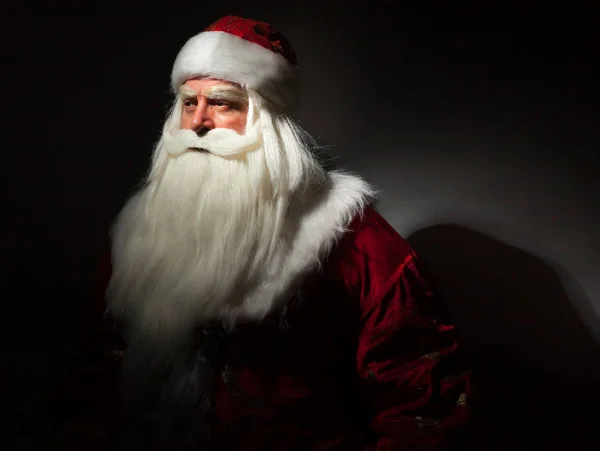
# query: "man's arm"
(412, 380)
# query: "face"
(210, 104)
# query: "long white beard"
(211, 226)
(202, 232)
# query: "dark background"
(479, 125)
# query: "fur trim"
(314, 230)
(225, 56)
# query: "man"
(262, 303)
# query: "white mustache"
(222, 142)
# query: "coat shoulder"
(371, 234)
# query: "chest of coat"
(291, 365)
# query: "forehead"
(201, 85)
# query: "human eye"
(221, 104)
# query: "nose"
(202, 120)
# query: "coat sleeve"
(407, 359)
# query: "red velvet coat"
(366, 360)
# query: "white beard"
(193, 240)
(229, 237)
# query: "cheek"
(235, 122)
(185, 121)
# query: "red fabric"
(260, 33)
(365, 360)
(405, 336)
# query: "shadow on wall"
(536, 369)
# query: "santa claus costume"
(254, 300)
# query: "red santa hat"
(244, 51)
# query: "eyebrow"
(186, 92)
(230, 93)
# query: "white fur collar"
(313, 229)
